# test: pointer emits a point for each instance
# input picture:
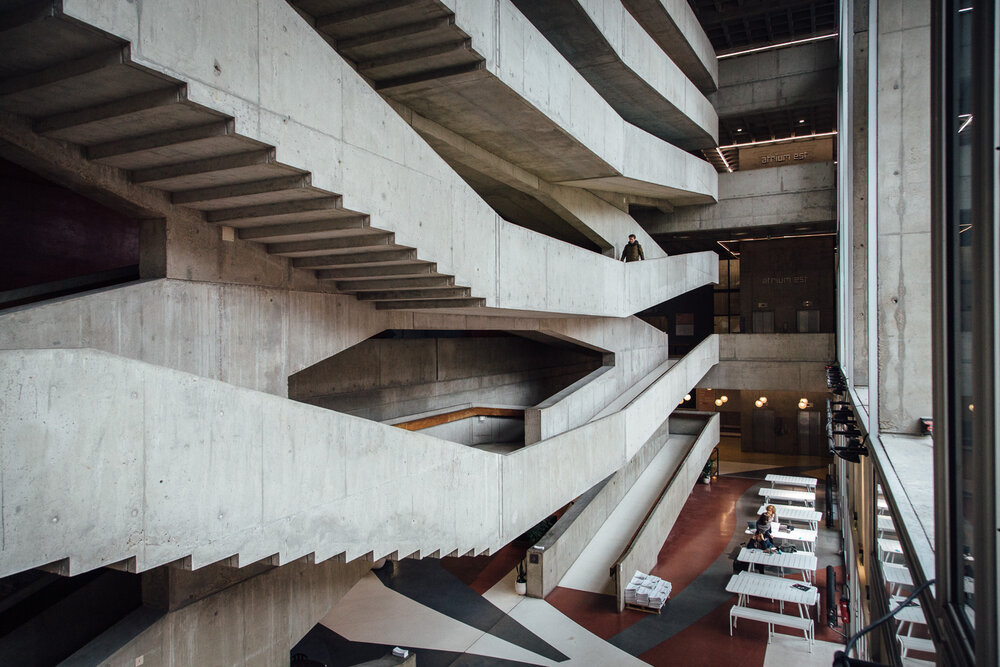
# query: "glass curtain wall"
(965, 175)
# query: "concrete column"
(859, 198)
(903, 144)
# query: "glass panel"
(734, 325)
(722, 324)
(910, 623)
(961, 243)
(734, 273)
(723, 274)
(721, 303)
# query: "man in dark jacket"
(632, 251)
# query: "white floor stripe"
(370, 612)
(590, 571)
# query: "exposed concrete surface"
(162, 433)
(256, 622)
(602, 223)
(799, 193)
(904, 215)
(907, 466)
(803, 75)
(642, 554)
(247, 336)
(628, 68)
(776, 362)
(638, 162)
(675, 28)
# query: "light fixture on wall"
(804, 403)
(763, 399)
(718, 402)
(724, 398)
(687, 397)
(759, 403)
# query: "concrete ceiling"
(732, 25)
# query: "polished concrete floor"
(464, 612)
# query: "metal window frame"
(979, 646)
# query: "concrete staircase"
(85, 90)
(145, 447)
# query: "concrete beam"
(64, 71)
(104, 152)
(317, 207)
(370, 257)
(298, 231)
(55, 124)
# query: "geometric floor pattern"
(463, 612)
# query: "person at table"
(765, 520)
(759, 541)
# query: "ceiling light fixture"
(770, 47)
(815, 135)
(724, 160)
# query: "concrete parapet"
(642, 551)
(776, 362)
(145, 445)
(801, 193)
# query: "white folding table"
(803, 561)
(889, 549)
(752, 584)
(787, 495)
(793, 513)
(803, 535)
(808, 483)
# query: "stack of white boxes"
(645, 590)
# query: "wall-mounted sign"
(779, 155)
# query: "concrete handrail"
(641, 551)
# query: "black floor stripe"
(333, 650)
(426, 582)
(701, 597)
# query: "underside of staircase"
(83, 89)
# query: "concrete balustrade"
(646, 544)
(150, 443)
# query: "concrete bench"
(907, 643)
(772, 619)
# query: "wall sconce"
(804, 403)
(724, 399)
(763, 399)
(687, 397)
(718, 402)
(759, 403)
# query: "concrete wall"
(251, 337)
(792, 362)
(777, 79)
(387, 378)
(480, 430)
(645, 549)
(904, 215)
(254, 623)
(796, 193)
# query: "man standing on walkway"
(632, 251)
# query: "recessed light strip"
(770, 47)
(778, 141)
(724, 160)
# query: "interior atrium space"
(499, 333)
